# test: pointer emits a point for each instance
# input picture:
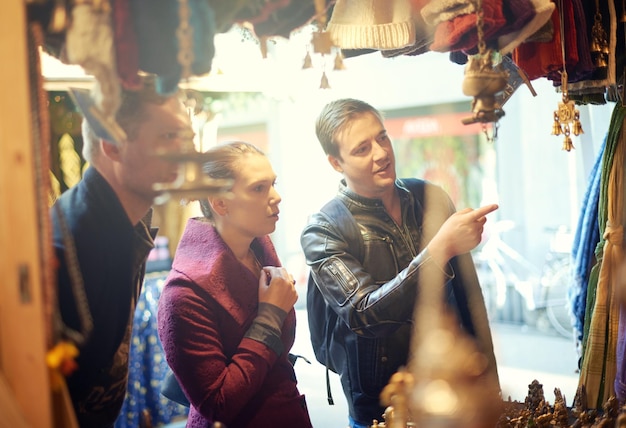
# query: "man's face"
(367, 159)
(165, 128)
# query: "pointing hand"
(460, 234)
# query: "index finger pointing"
(484, 210)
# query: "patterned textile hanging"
(600, 340)
(585, 241)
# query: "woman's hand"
(276, 286)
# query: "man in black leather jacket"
(373, 290)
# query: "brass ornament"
(59, 21)
(263, 40)
(339, 65)
(599, 45)
(483, 81)
(566, 118)
(307, 63)
(191, 182)
(322, 43)
(324, 83)
(485, 77)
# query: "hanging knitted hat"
(461, 34)
(437, 11)
(543, 10)
(424, 33)
(517, 13)
(373, 24)
(538, 59)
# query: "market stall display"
(577, 45)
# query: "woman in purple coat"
(226, 317)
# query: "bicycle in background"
(556, 278)
(516, 291)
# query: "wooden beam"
(11, 416)
(22, 332)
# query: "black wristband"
(265, 334)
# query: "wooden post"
(22, 334)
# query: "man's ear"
(334, 162)
(110, 149)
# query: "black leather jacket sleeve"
(368, 307)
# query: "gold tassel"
(324, 84)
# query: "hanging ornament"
(339, 65)
(599, 45)
(263, 45)
(191, 183)
(567, 117)
(484, 78)
(321, 40)
(483, 81)
(324, 83)
(322, 43)
(59, 21)
(307, 63)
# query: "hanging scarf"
(599, 354)
(585, 241)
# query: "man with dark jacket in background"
(102, 238)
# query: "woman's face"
(253, 208)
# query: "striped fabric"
(599, 358)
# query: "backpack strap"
(416, 187)
(337, 213)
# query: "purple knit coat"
(208, 303)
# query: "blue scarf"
(586, 238)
